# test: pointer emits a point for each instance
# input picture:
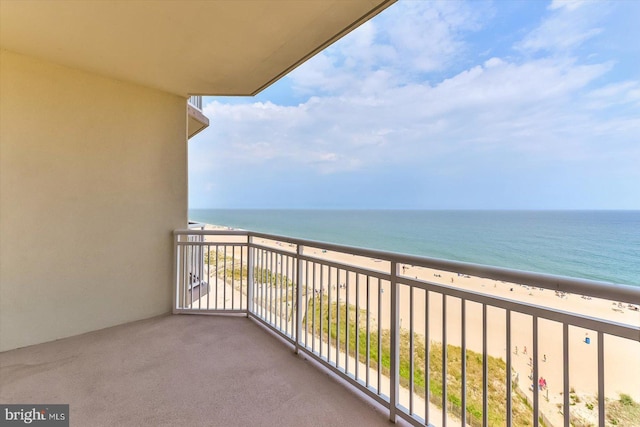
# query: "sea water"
(598, 245)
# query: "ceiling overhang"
(183, 47)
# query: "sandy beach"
(621, 357)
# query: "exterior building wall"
(93, 179)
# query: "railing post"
(250, 269)
(181, 268)
(176, 279)
(299, 279)
(395, 344)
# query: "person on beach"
(542, 384)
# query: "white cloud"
(567, 4)
(569, 25)
(372, 107)
(409, 39)
(615, 94)
(499, 107)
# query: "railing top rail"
(593, 288)
(185, 231)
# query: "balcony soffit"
(182, 47)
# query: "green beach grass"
(522, 414)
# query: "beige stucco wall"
(93, 179)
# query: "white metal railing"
(196, 101)
(413, 333)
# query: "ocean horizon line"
(421, 209)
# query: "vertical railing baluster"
(208, 275)
(200, 271)
(224, 280)
(190, 257)
(286, 296)
(281, 274)
(508, 379)
(329, 315)
(216, 281)
(367, 337)
(261, 283)
(299, 253)
(267, 286)
(274, 276)
(346, 324)
(337, 317)
(264, 289)
(357, 328)
(601, 408)
(183, 276)
(294, 295)
(271, 290)
(427, 356)
(241, 267)
(485, 369)
(276, 289)
(185, 284)
(250, 279)
(321, 336)
(394, 376)
(411, 350)
(194, 269)
(379, 322)
(286, 277)
(306, 304)
(278, 276)
(290, 306)
(313, 318)
(444, 360)
(190, 269)
(463, 361)
(534, 362)
(259, 290)
(233, 276)
(565, 375)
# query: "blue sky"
(441, 105)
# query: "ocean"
(597, 245)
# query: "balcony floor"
(181, 370)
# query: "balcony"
(519, 348)
(371, 330)
(197, 120)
